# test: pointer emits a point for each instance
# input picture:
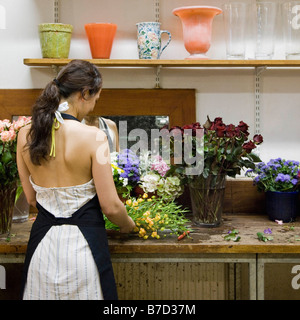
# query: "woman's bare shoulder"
(91, 133)
(23, 132)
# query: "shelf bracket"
(157, 11)
(157, 79)
(56, 11)
(260, 70)
(258, 73)
(257, 118)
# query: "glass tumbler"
(266, 12)
(291, 26)
(234, 17)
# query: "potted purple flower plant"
(280, 180)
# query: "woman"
(65, 171)
(109, 127)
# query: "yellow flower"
(129, 202)
(154, 234)
(146, 214)
(145, 237)
(149, 221)
(135, 203)
(142, 232)
(149, 200)
(140, 200)
(136, 229)
(145, 196)
(157, 217)
(117, 168)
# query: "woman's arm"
(23, 170)
(110, 203)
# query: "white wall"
(228, 93)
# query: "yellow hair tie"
(55, 126)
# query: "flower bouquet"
(155, 218)
(156, 176)
(225, 148)
(218, 150)
(8, 169)
(125, 169)
(280, 180)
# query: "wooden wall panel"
(172, 281)
(178, 104)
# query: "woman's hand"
(129, 227)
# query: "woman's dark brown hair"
(76, 76)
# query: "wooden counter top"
(286, 239)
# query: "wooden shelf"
(167, 63)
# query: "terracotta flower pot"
(101, 37)
(197, 28)
(55, 39)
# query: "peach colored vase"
(101, 37)
(197, 28)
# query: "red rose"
(243, 126)
(220, 130)
(248, 146)
(217, 122)
(187, 126)
(177, 131)
(230, 131)
(196, 125)
(237, 132)
(258, 139)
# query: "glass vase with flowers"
(224, 150)
(8, 169)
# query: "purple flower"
(268, 231)
(282, 177)
(294, 181)
(129, 162)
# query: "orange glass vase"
(197, 28)
(101, 37)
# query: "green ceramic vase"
(55, 39)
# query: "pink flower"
(5, 136)
(12, 133)
(4, 124)
(160, 166)
(21, 122)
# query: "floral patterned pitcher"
(149, 40)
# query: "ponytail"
(43, 114)
(76, 76)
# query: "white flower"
(149, 182)
(125, 181)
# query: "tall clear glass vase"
(7, 201)
(207, 198)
